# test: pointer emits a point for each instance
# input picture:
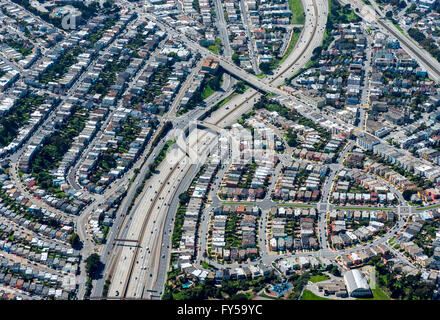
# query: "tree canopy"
(93, 265)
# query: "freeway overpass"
(210, 126)
(252, 80)
(317, 16)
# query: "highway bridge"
(210, 126)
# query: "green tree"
(236, 58)
(266, 67)
(184, 198)
(402, 4)
(93, 264)
(74, 240)
(407, 194)
(106, 288)
(240, 87)
(416, 34)
(292, 138)
(239, 296)
(335, 271)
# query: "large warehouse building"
(357, 284)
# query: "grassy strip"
(296, 32)
(178, 223)
(207, 91)
(400, 29)
(206, 265)
(427, 208)
(378, 294)
(232, 238)
(215, 48)
(240, 203)
(213, 84)
(106, 288)
(363, 208)
(88, 289)
(298, 15)
(309, 295)
(319, 278)
(295, 205)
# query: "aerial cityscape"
(220, 150)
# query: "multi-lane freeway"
(137, 252)
(138, 269)
(133, 269)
